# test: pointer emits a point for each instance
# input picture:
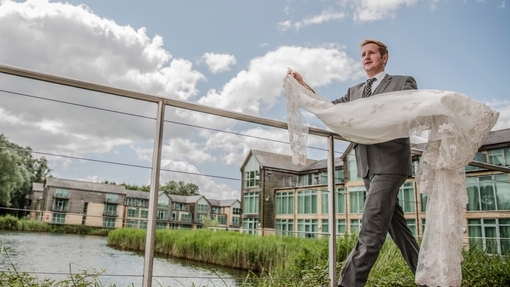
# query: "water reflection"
(47, 255)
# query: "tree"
(18, 170)
(180, 188)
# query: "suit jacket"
(392, 157)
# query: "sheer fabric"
(456, 127)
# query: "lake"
(55, 256)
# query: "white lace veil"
(457, 126)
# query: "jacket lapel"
(382, 86)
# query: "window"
(324, 201)
(339, 175)
(133, 212)
(340, 226)
(352, 167)
(500, 156)
(109, 222)
(61, 192)
(339, 201)
(251, 173)
(143, 224)
(222, 219)
(406, 197)
(163, 201)
(112, 198)
(307, 201)
(284, 203)
(479, 156)
(236, 221)
(110, 209)
(308, 228)
(488, 192)
(424, 199)
(355, 225)
(179, 206)
(60, 204)
(138, 202)
(175, 215)
(162, 214)
(58, 218)
(144, 213)
(130, 223)
(215, 210)
(236, 210)
(186, 217)
(201, 208)
(325, 225)
(490, 235)
(356, 198)
(251, 203)
(285, 227)
(250, 225)
(160, 225)
(411, 223)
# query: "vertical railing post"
(332, 211)
(153, 197)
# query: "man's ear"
(385, 59)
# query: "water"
(55, 256)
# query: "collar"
(380, 76)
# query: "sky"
(231, 55)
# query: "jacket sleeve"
(346, 98)
(409, 84)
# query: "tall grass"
(299, 262)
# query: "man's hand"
(298, 78)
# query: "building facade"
(283, 199)
(63, 201)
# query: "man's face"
(371, 59)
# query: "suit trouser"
(381, 214)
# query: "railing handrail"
(30, 74)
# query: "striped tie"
(367, 92)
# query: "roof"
(323, 164)
(497, 137)
(84, 185)
(137, 194)
(222, 202)
(493, 138)
(276, 160)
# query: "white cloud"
(324, 16)
(218, 63)
(261, 83)
(372, 10)
(503, 108)
(502, 5)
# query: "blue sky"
(227, 54)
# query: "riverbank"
(10, 222)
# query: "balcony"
(110, 213)
(60, 208)
(180, 207)
(111, 200)
(61, 195)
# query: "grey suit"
(384, 167)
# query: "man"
(384, 167)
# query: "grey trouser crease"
(381, 214)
